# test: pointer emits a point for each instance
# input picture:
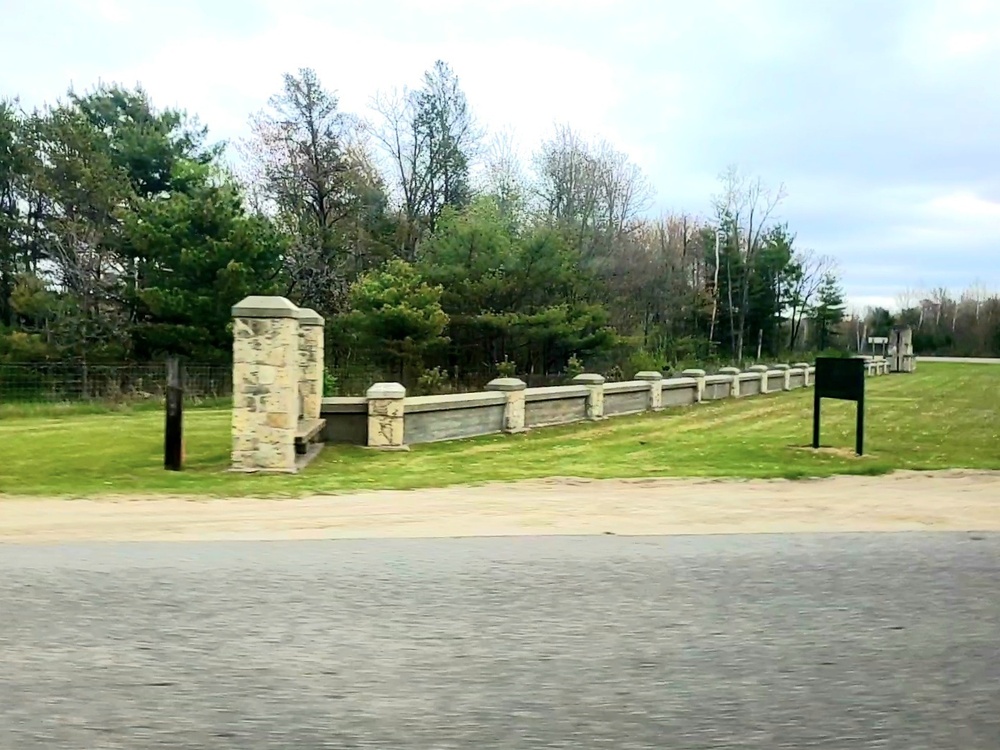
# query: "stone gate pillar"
(902, 357)
(265, 384)
(310, 362)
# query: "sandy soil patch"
(906, 501)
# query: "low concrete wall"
(429, 419)
(630, 397)
(717, 386)
(509, 407)
(749, 384)
(680, 391)
(559, 405)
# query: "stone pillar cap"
(589, 378)
(506, 384)
(802, 364)
(259, 306)
(757, 368)
(386, 390)
(693, 372)
(730, 371)
(309, 317)
(649, 375)
(781, 367)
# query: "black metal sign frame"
(842, 379)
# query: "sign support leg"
(860, 429)
(816, 403)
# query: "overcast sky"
(880, 117)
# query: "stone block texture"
(386, 415)
(310, 362)
(265, 386)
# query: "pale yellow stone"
(386, 407)
(279, 419)
(385, 431)
(311, 369)
(265, 393)
(656, 395)
(513, 415)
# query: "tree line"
(432, 249)
(943, 323)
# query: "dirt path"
(955, 500)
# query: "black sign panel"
(842, 379)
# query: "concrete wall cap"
(649, 375)
(781, 367)
(677, 383)
(693, 372)
(589, 378)
(309, 317)
(729, 371)
(757, 368)
(259, 306)
(506, 384)
(802, 364)
(386, 390)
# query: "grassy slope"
(944, 416)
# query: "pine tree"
(829, 312)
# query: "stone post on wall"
(698, 375)
(265, 384)
(804, 366)
(310, 362)
(762, 371)
(655, 380)
(513, 413)
(386, 404)
(785, 370)
(734, 383)
(595, 393)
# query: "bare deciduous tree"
(746, 207)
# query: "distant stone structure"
(901, 356)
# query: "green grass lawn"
(944, 416)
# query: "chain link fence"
(70, 382)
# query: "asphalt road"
(809, 641)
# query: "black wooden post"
(860, 428)
(175, 408)
(817, 400)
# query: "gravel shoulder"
(904, 501)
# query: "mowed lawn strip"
(943, 416)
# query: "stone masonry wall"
(266, 384)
